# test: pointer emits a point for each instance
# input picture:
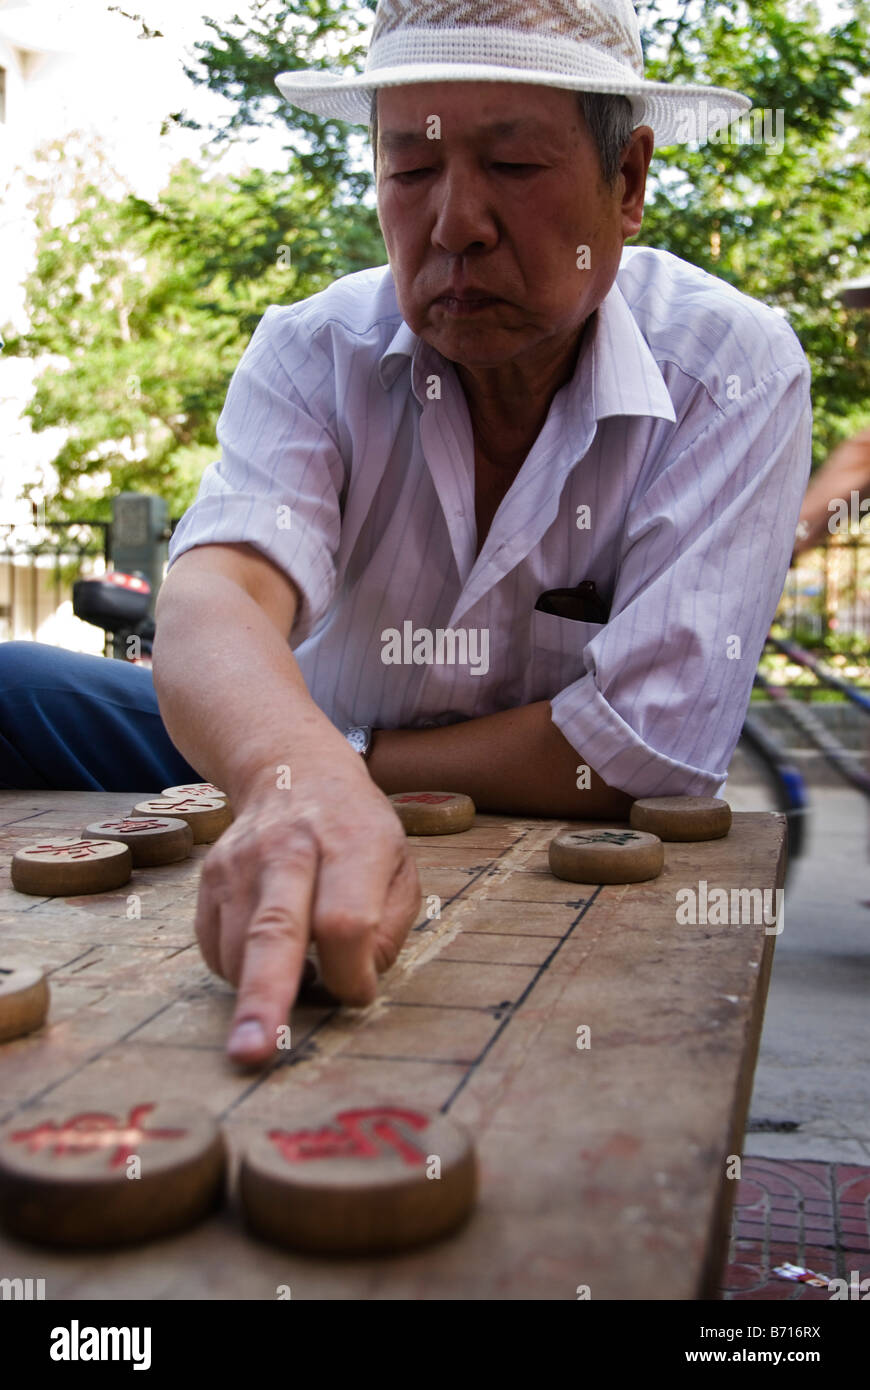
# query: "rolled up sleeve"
(704, 556)
(278, 482)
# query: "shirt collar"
(622, 372)
(404, 344)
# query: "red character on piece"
(369, 1133)
(428, 798)
(83, 850)
(89, 1131)
(134, 823)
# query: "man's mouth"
(460, 305)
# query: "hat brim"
(677, 115)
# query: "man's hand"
(323, 859)
(327, 857)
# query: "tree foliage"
(146, 307)
(783, 224)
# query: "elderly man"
(510, 516)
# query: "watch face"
(358, 738)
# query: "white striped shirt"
(685, 430)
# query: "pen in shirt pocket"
(583, 603)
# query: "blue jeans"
(70, 722)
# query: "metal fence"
(827, 591)
(38, 567)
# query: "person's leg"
(70, 722)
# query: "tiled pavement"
(803, 1213)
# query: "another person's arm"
(846, 471)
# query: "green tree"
(145, 308)
(784, 225)
(242, 60)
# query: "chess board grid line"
(167, 1042)
(452, 1008)
(517, 935)
(479, 873)
(277, 1063)
(388, 1057)
(68, 963)
(36, 1097)
(97, 961)
(18, 820)
(466, 960)
(426, 922)
(541, 902)
(511, 1010)
(168, 953)
(456, 905)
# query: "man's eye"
(517, 168)
(411, 174)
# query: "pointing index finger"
(274, 957)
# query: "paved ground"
(812, 1084)
(804, 1197)
(814, 1215)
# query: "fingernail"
(247, 1037)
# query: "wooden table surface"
(602, 1166)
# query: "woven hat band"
(501, 48)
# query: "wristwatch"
(359, 736)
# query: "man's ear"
(633, 169)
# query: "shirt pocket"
(556, 654)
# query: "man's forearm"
(231, 693)
(515, 762)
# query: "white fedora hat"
(581, 45)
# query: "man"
(519, 502)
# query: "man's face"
(500, 204)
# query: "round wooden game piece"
(23, 999)
(606, 856)
(207, 816)
(66, 867)
(208, 790)
(682, 817)
(358, 1179)
(151, 840)
(74, 1176)
(433, 813)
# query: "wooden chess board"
(601, 1166)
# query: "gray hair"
(609, 117)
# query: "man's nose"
(465, 214)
